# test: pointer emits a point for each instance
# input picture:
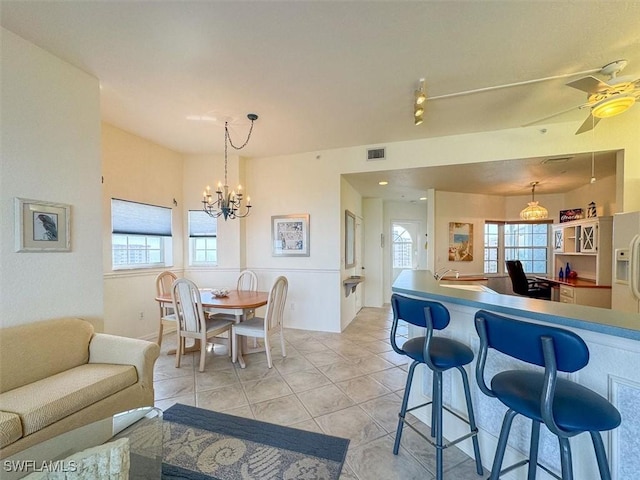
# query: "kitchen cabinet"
(586, 246)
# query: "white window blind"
(202, 225)
(133, 218)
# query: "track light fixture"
(420, 98)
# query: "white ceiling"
(324, 74)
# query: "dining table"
(236, 302)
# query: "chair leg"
(601, 456)
(267, 349)
(502, 444)
(403, 408)
(533, 450)
(159, 342)
(437, 407)
(179, 349)
(472, 420)
(434, 407)
(203, 352)
(284, 352)
(565, 459)
(234, 347)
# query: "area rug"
(204, 445)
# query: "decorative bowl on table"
(220, 292)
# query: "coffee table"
(142, 427)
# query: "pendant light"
(222, 202)
(533, 211)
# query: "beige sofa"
(58, 375)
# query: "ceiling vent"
(376, 154)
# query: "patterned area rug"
(201, 444)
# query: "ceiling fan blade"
(551, 116)
(589, 124)
(589, 84)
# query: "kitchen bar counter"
(600, 320)
(613, 341)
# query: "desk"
(238, 300)
(579, 291)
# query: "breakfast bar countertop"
(421, 283)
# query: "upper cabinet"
(586, 246)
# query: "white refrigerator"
(625, 291)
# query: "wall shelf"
(351, 283)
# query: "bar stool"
(565, 407)
(439, 354)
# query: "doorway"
(404, 246)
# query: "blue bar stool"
(439, 354)
(565, 407)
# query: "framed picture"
(290, 235)
(349, 239)
(42, 226)
(460, 242)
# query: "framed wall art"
(460, 242)
(42, 226)
(290, 235)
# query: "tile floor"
(349, 385)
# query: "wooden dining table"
(237, 302)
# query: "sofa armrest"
(105, 348)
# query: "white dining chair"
(262, 327)
(192, 321)
(247, 281)
(164, 282)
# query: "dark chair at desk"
(526, 286)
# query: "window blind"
(202, 225)
(133, 218)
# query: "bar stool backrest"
(523, 340)
(412, 310)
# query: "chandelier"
(221, 202)
(533, 211)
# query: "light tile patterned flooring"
(346, 384)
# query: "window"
(527, 242)
(141, 235)
(203, 238)
(402, 248)
(491, 247)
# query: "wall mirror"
(349, 239)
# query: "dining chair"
(262, 327)
(566, 408)
(164, 282)
(192, 321)
(247, 281)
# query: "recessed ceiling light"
(383, 182)
(423, 198)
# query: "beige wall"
(138, 170)
(51, 152)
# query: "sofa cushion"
(46, 401)
(34, 351)
(10, 428)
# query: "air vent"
(548, 161)
(375, 154)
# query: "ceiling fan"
(604, 98)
